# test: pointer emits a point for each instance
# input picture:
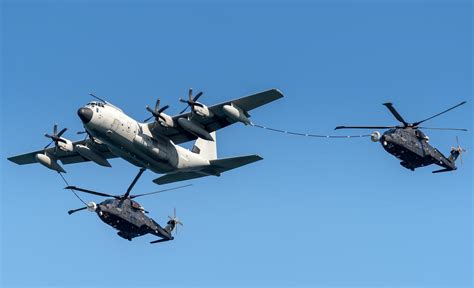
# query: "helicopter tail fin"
(456, 152)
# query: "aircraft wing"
(65, 157)
(219, 120)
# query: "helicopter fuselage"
(411, 146)
(129, 218)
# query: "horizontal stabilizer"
(221, 165)
(176, 177)
(215, 168)
(159, 241)
(443, 170)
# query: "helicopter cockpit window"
(420, 134)
(137, 206)
(109, 201)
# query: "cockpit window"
(94, 103)
(109, 201)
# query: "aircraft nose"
(85, 114)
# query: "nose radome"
(85, 114)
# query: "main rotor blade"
(160, 191)
(76, 210)
(395, 113)
(436, 128)
(91, 192)
(134, 182)
(364, 127)
(419, 122)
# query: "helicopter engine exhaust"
(375, 136)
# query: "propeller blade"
(160, 191)
(55, 129)
(197, 96)
(455, 106)
(163, 109)
(184, 110)
(435, 128)
(49, 144)
(92, 192)
(61, 133)
(395, 113)
(364, 127)
(190, 94)
(76, 210)
(157, 104)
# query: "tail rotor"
(457, 151)
(174, 221)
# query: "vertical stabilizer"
(207, 149)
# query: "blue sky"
(315, 212)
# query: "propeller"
(458, 149)
(406, 124)
(191, 101)
(55, 138)
(156, 113)
(175, 221)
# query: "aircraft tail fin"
(207, 149)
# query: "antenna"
(98, 98)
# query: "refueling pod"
(49, 162)
(236, 114)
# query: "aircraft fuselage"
(132, 140)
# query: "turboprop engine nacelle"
(375, 136)
(236, 114)
(194, 129)
(49, 162)
(91, 155)
(166, 121)
(202, 111)
(65, 146)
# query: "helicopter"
(409, 144)
(128, 216)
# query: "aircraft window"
(109, 201)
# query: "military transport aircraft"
(112, 133)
